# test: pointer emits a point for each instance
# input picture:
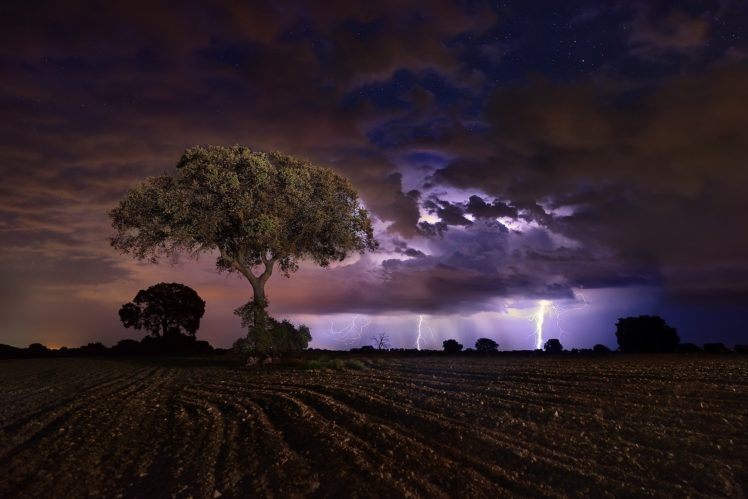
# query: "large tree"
(164, 309)
(646, 333)
(259, 211)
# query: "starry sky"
(590, 154)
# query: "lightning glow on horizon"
(352, 332)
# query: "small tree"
(646, 333)
(258, 211)
(451, 346)
(486, 345)
(553, 346)
(37, 349)
(600, 348)
(381, 341)
(165, 309)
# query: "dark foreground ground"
(431, 427)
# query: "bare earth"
(431, 427)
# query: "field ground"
(431, 427)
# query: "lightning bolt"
(546, 307)
(539, 318)
(559, 311)
(421, 336)
(418, 339)
(351, 332)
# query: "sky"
(586, 155)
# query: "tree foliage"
(486, 345)
(553, 345)
(646, 333)
(259, 211)
(274, 338)
(165, 309)
(600, 348)
(451, 346)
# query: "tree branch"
(269, 263)
(253, 279)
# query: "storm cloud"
(504, 151)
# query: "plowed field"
(429, 427)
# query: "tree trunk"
(258, 317)
(259, 303)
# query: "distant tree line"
(642, 334)
(124, 348)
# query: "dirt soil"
(669, 426)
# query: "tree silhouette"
(451, 346)
(165, 309)
(275, 338)
(646, 333)
(37, 349)
(553, 346)
(381, 341)
(486, 345)
(259, 211)
(600, 348)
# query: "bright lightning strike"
(418, 339)
(421, 336)
(539, 318)
(546, 307)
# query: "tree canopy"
(451, 346)
(259, 211)
(165, 309)
(486, 345)
(646, 333)
(553, 345)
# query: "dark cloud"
(477, 207)
(649, 176)
(449, 213)
(618, 161)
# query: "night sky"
(591, 154)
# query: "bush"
(363, 349)
(645, 333)
(274, 338)
(486, 345)
(600, 348)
